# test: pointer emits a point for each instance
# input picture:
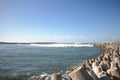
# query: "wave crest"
(62, 45)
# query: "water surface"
(24, 59)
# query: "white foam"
(62, 45)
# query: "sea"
(25, 60)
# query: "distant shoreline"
(27, 42)
(42, 43)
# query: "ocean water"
(27, 60)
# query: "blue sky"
(59, 20)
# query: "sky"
(59, 20)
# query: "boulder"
(80, 73)
(56, 76)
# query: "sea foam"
(62, 45)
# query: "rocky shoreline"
(104, 67)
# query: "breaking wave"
(62, 45)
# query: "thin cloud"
(64, 37)
(68, 37)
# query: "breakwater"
(104, 67)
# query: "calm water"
(30, 60)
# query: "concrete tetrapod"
(100, 73)
(93, 75)
(114, 71)
(56, 76)
(80, 73)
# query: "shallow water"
(27, 60)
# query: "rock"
(114, 65)
(114, 71)
(32, 78)
(46, 78)
(56, 76)
(100, 73)
(80, 74)
(103, 76)
(94, 66)
(97, 70)
(105, 65)
(35, 78)
(117, 59)
(66, 76)
(93, 75)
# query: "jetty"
(106, 66)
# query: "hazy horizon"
(59, 21)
